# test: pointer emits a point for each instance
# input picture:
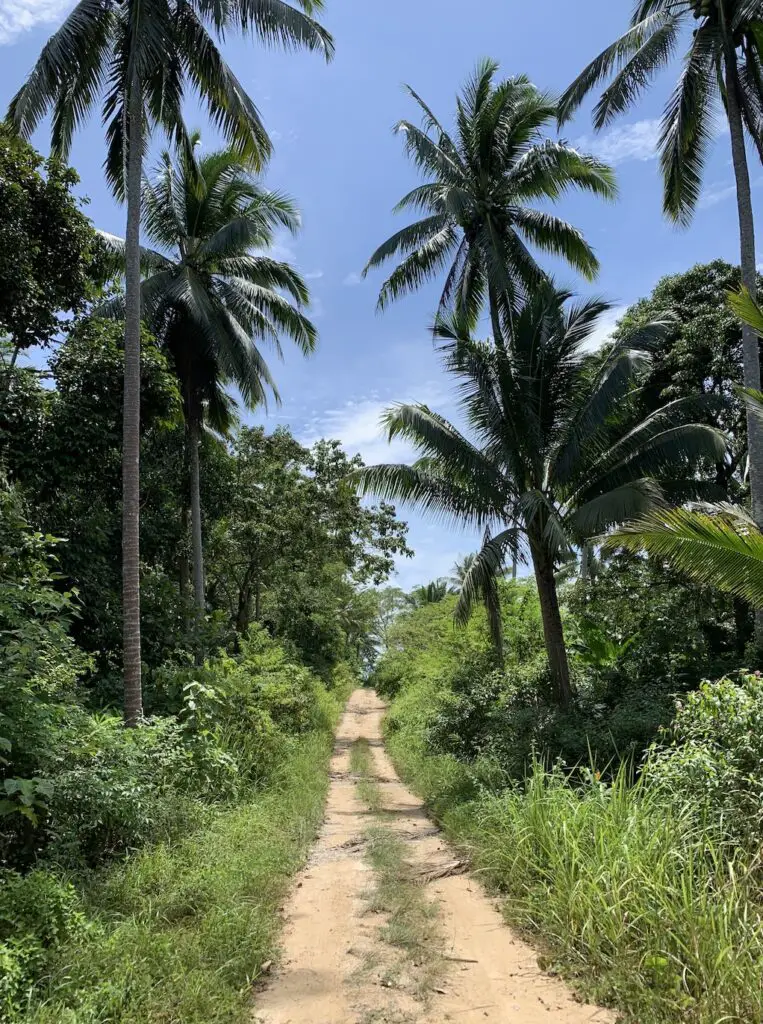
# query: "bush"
(712, 755)
(38, 913)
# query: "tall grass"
(623, 888)
(179, 933)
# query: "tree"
(460, 571)
(723, 62)
(210, 293)
(720, 546)
(478, 221)
(550, 461)
(700, 353)
(140, 58)
(429, 593)
(63, 446)
(295, 543)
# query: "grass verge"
(411, 920)
(622, 890)
(178, 933)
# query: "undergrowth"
(178, 933)
(641, 900)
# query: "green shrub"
(38, 913)
(712, 755)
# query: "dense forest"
(188, 599)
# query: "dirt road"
(337, 967)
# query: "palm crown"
(478, 218)
(210, 290)
(551, 460)
(104, 46)
(721, 29)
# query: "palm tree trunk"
(750, 343)
(183, 574)
(553, 630)
(197, 550)
(133, 696)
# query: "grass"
(621, 888)
(361, 766)
(411, 925)
(178, 933)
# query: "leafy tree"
(64, 448)
(723, 62)
(140, 59)
(700, 353)
(549, 459)
(210, 293)
(295, 543)
(48, 248)
(477, 199)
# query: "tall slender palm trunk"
(133, 694)
(197, 549)
(553, 630)
(750, 343)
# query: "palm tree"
(716, 545)
(477, 200)
(460, 571)
(210, 292)
(140, 57)
(429, 593)
(724, 60)
(555, 456)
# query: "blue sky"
(336, 154)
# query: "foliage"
(481, 180)
(554, 458)
(700, 353)
(719, 546)
(181, 929)
(712, 755)
(49, 252)
(295, 544)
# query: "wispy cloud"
(352, 279)
(716, 193)
(637, 141)
(357, 424)
(313, 275)
(17, 16)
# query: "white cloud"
(637, 141)
(313, 275)
(17, 16)
(357, 424)
(604, 329)
(352, 279)
(716, 193)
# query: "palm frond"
(718, 546)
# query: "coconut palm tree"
(140, 58)
(724, 61)
(554, 455)
(211, 292)
(482, 182)
(460, 571)
(716, 545)
(429, 593)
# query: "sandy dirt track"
(332, 971)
